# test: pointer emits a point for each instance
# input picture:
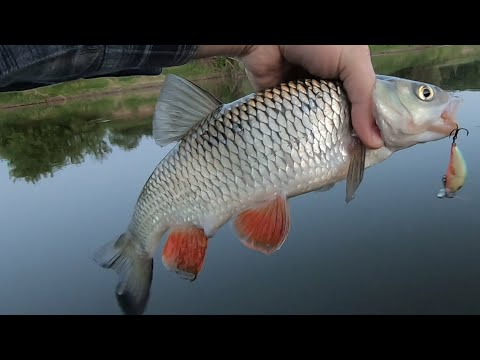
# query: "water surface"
(70, 176)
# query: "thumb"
(358, 76)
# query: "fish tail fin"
(134, 270)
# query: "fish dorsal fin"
(180, 106)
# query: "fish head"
(409, 112)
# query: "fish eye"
(425, 93)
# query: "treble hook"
(456, 133)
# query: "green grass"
(192, 70)
(74, 88)
(37, 141)
(377, 49)
(205, 67)
(432, 57)
(386, 58)
(117, 106)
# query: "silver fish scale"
(288, 140)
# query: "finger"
(262, 81)
(352, 64)
(359, 79)
(364, 125)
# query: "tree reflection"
(452, 68)
(36, 150)
(37, 141)
(128, 137)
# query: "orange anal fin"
(264, 228)
(184, 252)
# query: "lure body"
(456, 174)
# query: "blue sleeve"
(29, 66)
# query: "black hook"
(456, 133)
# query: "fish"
(456, 174)
(242, 161)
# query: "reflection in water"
(451, 77)
(38, 141)
(451, 67)
(36, 150)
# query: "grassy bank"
(37, 141)
(193, 70)
(385, 49)
(196, 69)
(387, 59)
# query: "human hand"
(268, 65)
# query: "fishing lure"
(456, 174)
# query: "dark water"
(70, 176)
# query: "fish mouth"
(447, 122)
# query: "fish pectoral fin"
(180, 106)
(355, 170)
(185, 250)
(264, 228)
